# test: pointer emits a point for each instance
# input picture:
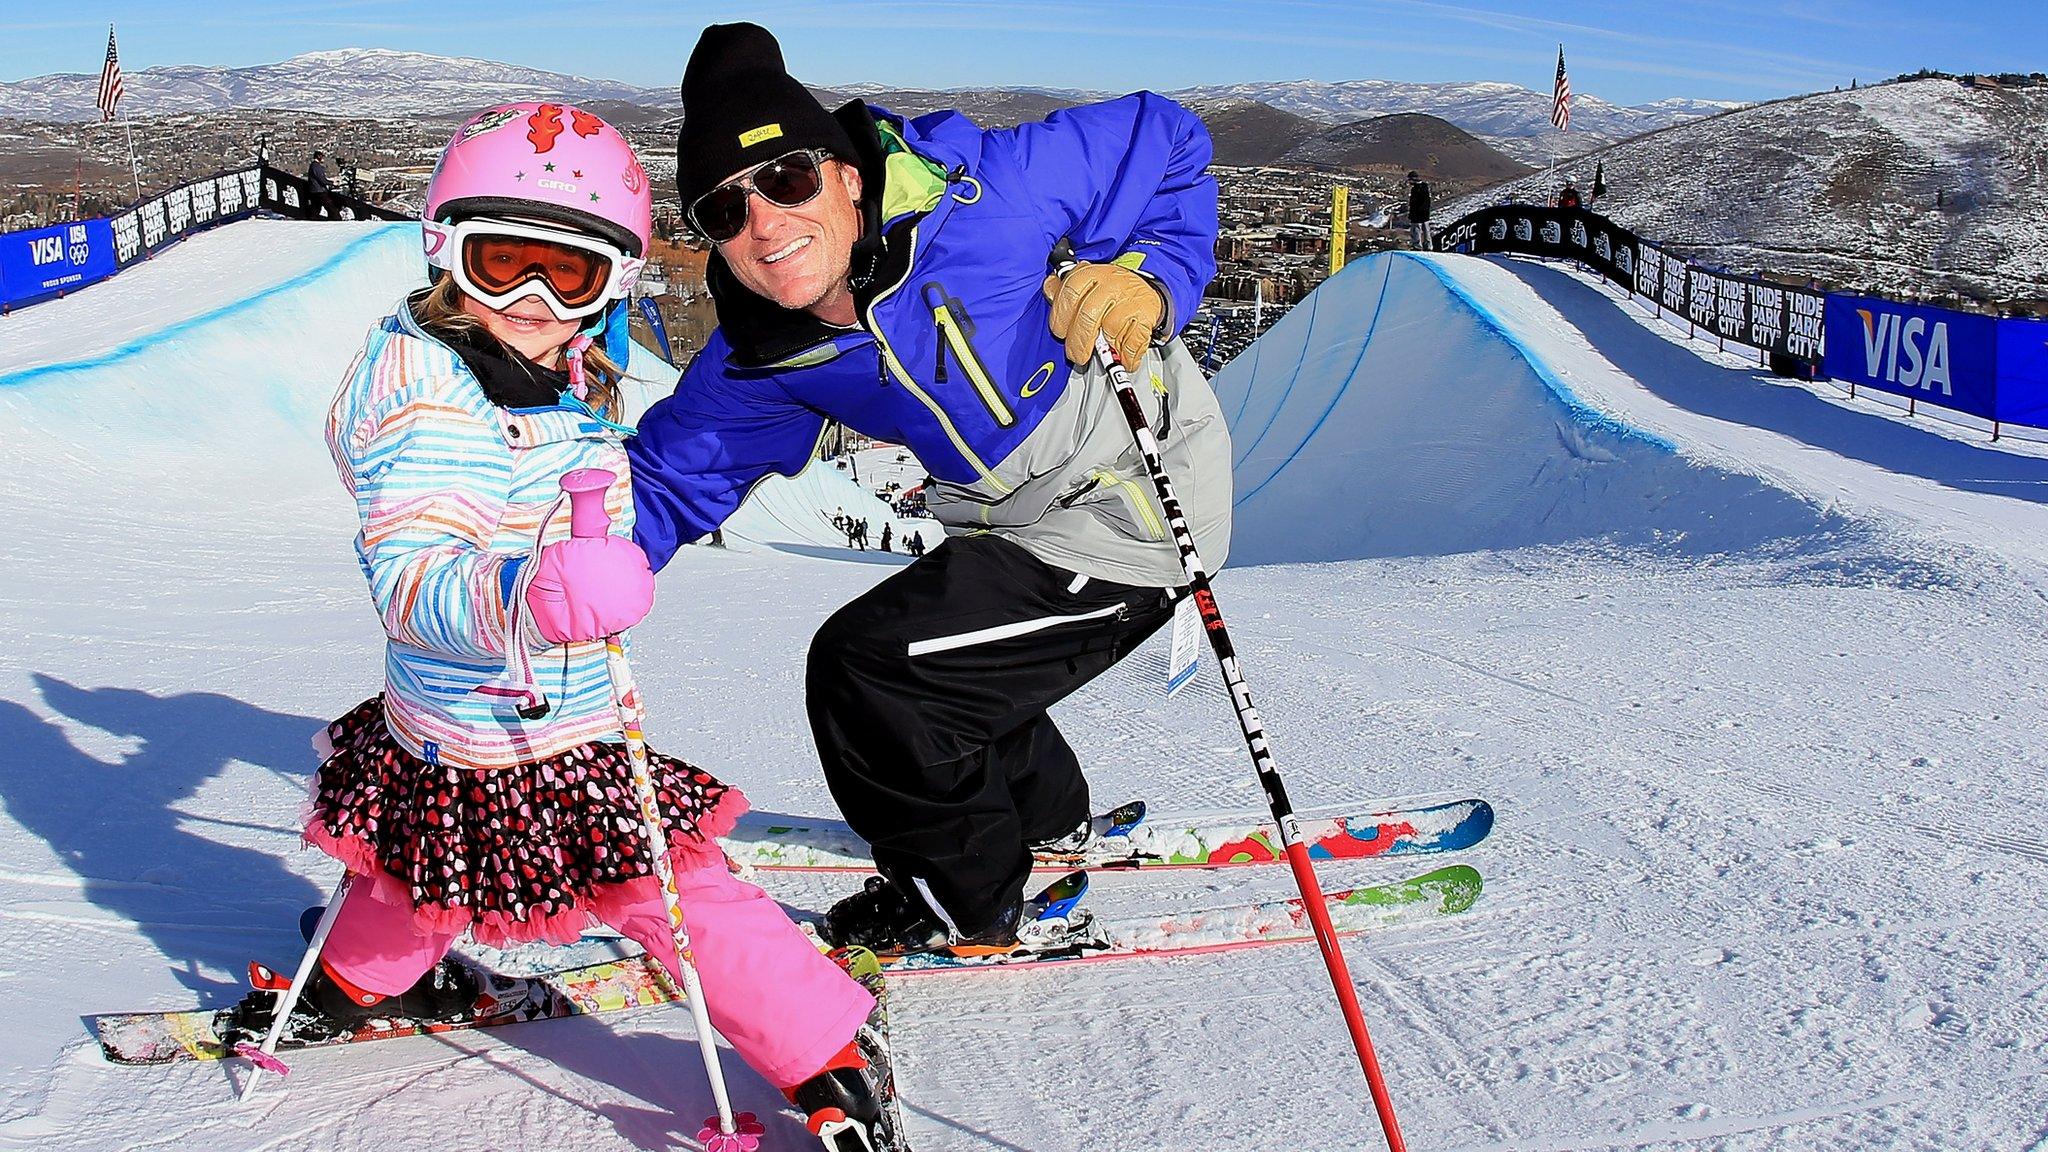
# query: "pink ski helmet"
(547, 162)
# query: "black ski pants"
(928, 695)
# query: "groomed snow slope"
(1767, 874)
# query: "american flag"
(1561, 97)
(110, 80)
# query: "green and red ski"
(1067, 934)
(1129, 838)
(1086, 938)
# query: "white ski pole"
(265, 1055)
(588, 519)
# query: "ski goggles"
(500, 261)
(789, 180)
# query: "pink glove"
(588, 588)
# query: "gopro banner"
(44, 263)
(1553, 233)
(1931, 354)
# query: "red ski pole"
(1255, 740)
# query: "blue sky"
(1624, 51)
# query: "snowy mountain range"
(379, 82)
(1925, 186)
(1513, 119)
(344, 82)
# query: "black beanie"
(741, 107)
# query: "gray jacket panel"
(1079, 496)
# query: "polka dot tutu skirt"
(520, 853)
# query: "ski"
(1127, 838)
(608, 974)
(862, 965)
(1086, 938)
(1065, 934)
(615, 983)
(210, 1034)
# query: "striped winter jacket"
(451, 490)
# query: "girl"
(473, 795)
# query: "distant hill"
(1923, 186)
(1444, 153)
(1252, 134)
(989, 107)
(1511, 118)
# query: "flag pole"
(134, 168)
(1550, 176)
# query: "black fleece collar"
(508, 379)
(762, 333)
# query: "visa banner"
(1929, 354)
(2023, 372)
(45, 262)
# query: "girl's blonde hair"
(441, 311)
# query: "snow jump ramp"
(1394, 412)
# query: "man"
(892, 275)
(1418, 211)
(322, 188)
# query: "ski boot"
(1083, 837)
(841, 1107)
(890, 921)
(329, 1006)
(1086, 837)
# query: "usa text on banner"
(45, 262)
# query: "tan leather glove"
(1109, 299)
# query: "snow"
(1752, 677)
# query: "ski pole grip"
(586, 488)
(1062, 259)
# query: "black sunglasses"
(787, 181)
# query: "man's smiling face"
(799, 257)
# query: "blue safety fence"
(46, 263)
(1993, 369)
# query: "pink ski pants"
(785, 1007)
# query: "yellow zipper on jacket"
(1138, 504)
(956, 338)
(903, 377)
